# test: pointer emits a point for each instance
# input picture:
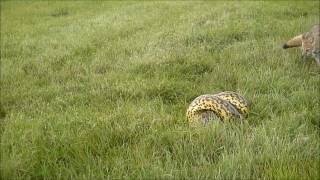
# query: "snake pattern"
(238, 101)
(222, 106)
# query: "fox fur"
(309, 42)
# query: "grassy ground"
(99, 90)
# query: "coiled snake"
(223, 106)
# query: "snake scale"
(223, 106)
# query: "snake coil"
(223, 106)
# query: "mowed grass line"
(99, 90)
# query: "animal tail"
(294, 42)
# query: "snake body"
(223, 106)
(238, 101)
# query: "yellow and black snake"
(223, 106)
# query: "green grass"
(98, 90)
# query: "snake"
(222, 106)
(238, 101)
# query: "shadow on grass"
(60, 12)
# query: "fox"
(309, 43)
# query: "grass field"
(98, 90)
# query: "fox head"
(294, 42)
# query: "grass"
(99, 90)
